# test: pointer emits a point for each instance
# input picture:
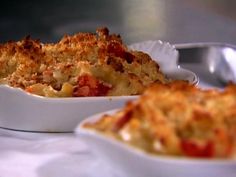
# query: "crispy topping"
(102, 56)
(177, 119)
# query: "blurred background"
(176, 21)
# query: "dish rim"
(26, 94)
(23, 93)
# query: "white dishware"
(20, 110)
(132, 162)
(167, 57)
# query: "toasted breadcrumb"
(29, 64)
(177, 119)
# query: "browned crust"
(177, 119)
(28, 62)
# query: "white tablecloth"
(47, 155)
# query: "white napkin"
(47, 155)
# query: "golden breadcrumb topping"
(177, 119)
(84, 64)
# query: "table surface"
(56, 155)
(176, 21)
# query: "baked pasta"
(176, 119)
(84, 64)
